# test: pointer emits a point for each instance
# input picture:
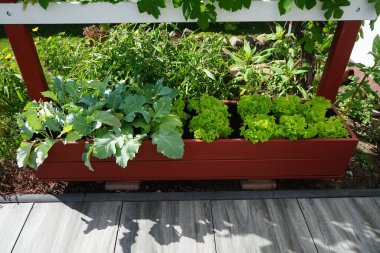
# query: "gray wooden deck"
(223, 226)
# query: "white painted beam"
(127, 12)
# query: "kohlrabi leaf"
(23, 153)
(169, 142)
(106, 117)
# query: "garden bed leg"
(257, 184)
(26, 55)
(122, 185)
(339, 56)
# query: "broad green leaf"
(88, 100)
(128, 150)
(79, 123)
(284, 6)
(98, 106)
(140, 123)
(86, 157)
(151, 7)
(310, 4)
(52, 124)
(66, 129)
(133, 104)
(170, 121)
(34, 122)
(42, 149)
(44, 3)
(26, 131)
(105, 146)
(71, 88)
(114, 97)
(73, 136)
(169, 142)
(300, 3)
(106, 118)
(164, 91)
(50, 94)
(23, 153)
(162, 107)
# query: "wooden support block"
(257, 184)
(122, 185)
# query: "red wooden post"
(25, 51)
(339, 56)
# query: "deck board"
(168, 226)
(70, 227)
(238, 225)
(260, 226)
(12, 219)
(343, 225)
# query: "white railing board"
(127, 12)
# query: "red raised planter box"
(221, 159)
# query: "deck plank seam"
(213, 224)
(23, 225)
(118, 226)
(307, 225)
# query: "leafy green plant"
(211, 121)
(315, 109)
(292, 127)
(295, 120)
(358, 99)
(142, 54)
(179, 110)
(116, 117)
(286, 76)
(252, 105)
(289, 105)
(259, 128)
(364, 159)
(332, 128)
(13, 94)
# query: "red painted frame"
(222, 159)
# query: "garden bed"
(222, 159)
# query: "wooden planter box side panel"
(222, 159)
(197, 170)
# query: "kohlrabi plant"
(114, 118)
